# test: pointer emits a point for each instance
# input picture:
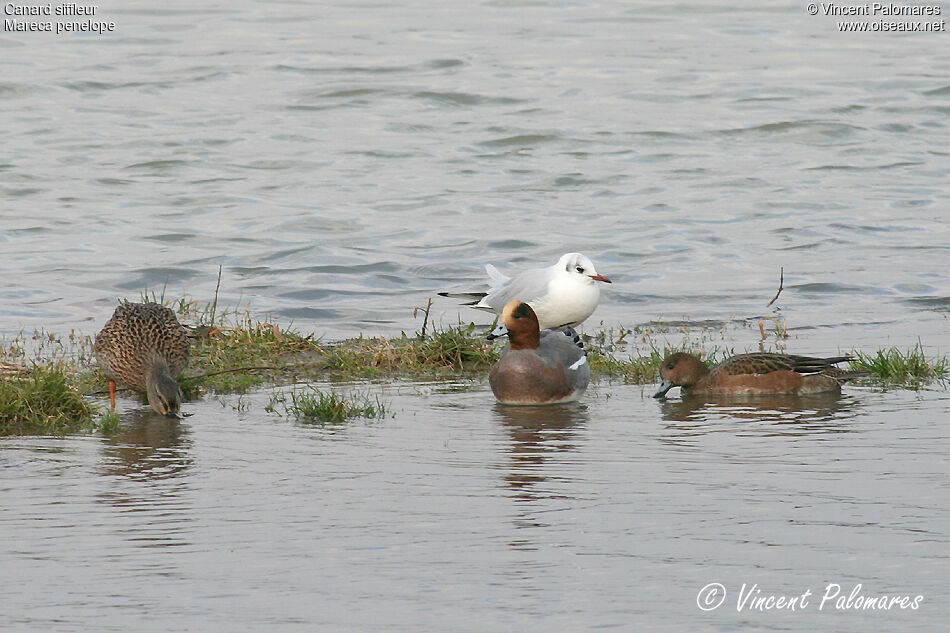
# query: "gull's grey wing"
(528, 287)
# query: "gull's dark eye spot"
(580, 269)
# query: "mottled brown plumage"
(759, 373)
(144, 347)
(765, 362)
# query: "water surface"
(346, 162)
(461, 515)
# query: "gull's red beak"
(600, 278)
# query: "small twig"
(214, 306)
(781, 280)
(623, 335)
(231, 370)
(11, 368)
(425, 320)
(211, 373)
(274, 330)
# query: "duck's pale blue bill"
(665, 386)
(498, 332)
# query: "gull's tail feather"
(471, 297)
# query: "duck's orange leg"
(112, 393)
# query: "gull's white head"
(580, 268)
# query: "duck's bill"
(498, 332)
(665, 386)
(600, 278)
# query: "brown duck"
(749, 374)
(537, 367)
(144, 347)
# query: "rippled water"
(343, 163)
(459, 515)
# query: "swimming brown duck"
(750, 374)
(144, 347)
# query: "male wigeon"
(564, 294)
(537, 367)
(750, 374)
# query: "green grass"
(234, 351)
(286, 354)
(313, 405)
(109, 423)
(638, 369)
(250, 344)
(895, 367)
(452, 350)
(43, 401)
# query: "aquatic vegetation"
(235, 358)
(45, 376)
(109, 422)
(639, 369)
(895, 367)
(42, 346)
(41, 400)
(454, 350)
(312, 404)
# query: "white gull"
(564, 294)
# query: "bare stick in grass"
(425, 320)
(214, 305)
(781, 280)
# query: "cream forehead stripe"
(510, 307)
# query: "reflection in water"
(785, 414)
(537, 434)
(146, 468)
(148, 445)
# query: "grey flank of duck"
(143, 346)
